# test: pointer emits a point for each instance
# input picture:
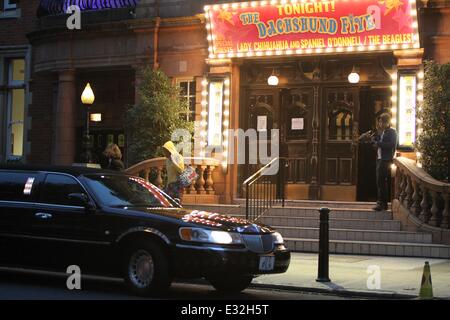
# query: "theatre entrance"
(318, 115)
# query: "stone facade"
(110, 50)
(15, 24)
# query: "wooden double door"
(318, 130)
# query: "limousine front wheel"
(146, 268)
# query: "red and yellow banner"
(300, 26)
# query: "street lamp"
(87, 98)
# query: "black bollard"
(323, 246)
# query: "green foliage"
(151, 122)
(434, 142)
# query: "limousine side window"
(56, 190)
(17, 186)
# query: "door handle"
(43, 216)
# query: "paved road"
(16, 284)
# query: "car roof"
(72, 170)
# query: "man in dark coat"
(386, 142)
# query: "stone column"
(64, 140)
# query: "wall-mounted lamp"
(353, 77)
(88, 96)
(96, 117)
(273, 79)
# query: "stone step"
(357, 235)
(372, 248)
(359, 224)
(321, 203)
(340, 213)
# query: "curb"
(337, 292)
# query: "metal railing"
(265, 188)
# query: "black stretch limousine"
(113, 224)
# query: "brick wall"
(40, 111)
(13, 30)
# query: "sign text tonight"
(265, 27)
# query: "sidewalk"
(400, 277)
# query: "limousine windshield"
(125, 191)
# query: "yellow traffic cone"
(426, 288)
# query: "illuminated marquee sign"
(215, 113)
(282, 27)
(407, 110)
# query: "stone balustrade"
(154, 171)
(424, 197)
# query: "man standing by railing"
(386, 142)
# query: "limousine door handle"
(43, 216)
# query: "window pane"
(118, 191)
(191, 116)
(187, 95)
(17, 105)
(192, 104)
(18, 70)
(16, 121)
(16, 186)
(17, 140)
(192, 88)
(57, 188)
(184, 88)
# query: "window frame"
(12, 85)
(7, 5)
(188, 96)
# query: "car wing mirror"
(80, 199)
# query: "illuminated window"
(15, 107)
(187, 94)
(340, 105)
(407, 110)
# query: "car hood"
(209, 219)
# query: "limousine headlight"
(210, 236)
(277, 238)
